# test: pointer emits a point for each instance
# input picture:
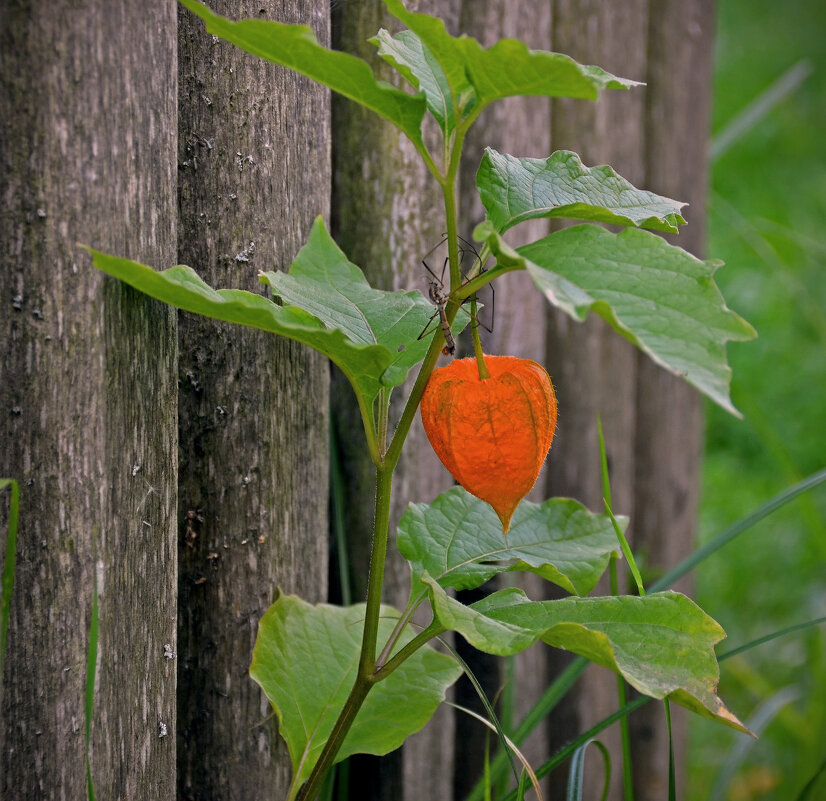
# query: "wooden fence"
(174, 471)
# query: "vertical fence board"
(670, 431)
(518, 126)
(254, 172)
(596, 368)
(387, 214)
(87, 395)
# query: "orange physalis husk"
(494, 434)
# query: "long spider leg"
(427, 267)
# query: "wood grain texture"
(519, 126)
(254, 171)
(670, 413)
(387, 214)
(87, 395)
(596, 367)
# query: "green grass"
(767, 214)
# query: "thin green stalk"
(412, 605)
(308, 791)
(383, 402)
(337, 486)
(9, 565)
(737, 528)
(367, 661)
(423, 637)
(672, 766)
(477, 343)
(622, 692)
(91, 670)
(448, 185)
(622, 697)
(391, 457)
(375, 579)
(452, 230)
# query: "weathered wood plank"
(254, 171)
(387, 214)
(87, 391)
(670, 413)
(519, 126)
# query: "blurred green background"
(767, 219)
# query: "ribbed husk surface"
(494, 434)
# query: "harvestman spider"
(439, 294)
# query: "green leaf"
(658, 296)
(305, 660)
(442, 48)
(508, 68)
(517, 189)
(326, 304)
(458, 540)
(481, 631)
(324, 283)
(662, 644)
(408, 55)
(296, 47)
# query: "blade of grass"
(806, 792)
(519, 755)
(672, 767)
(563, 754)
(728, 534)
(577, 772)
(606, 498)
(91, 669)
(755, 111)
(622, 692)
(757, 722)
(337, 497)
(492, 717)
(773, 636)
(9, 565)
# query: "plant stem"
(365, 677)
(367, 674)
(477, 343)
(449, 191)
(348, 714)
(412, 605)
(622, 695)
(433, 630)
(375, 580)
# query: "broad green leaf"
(296, 47)
(323, 282)
(327, 304)
(517, 189)
(458, 540)
(481, 631)
(305, 660)
(416, 63)
(662, 644)
(508, 68)
(658, 296)
(441, 46)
